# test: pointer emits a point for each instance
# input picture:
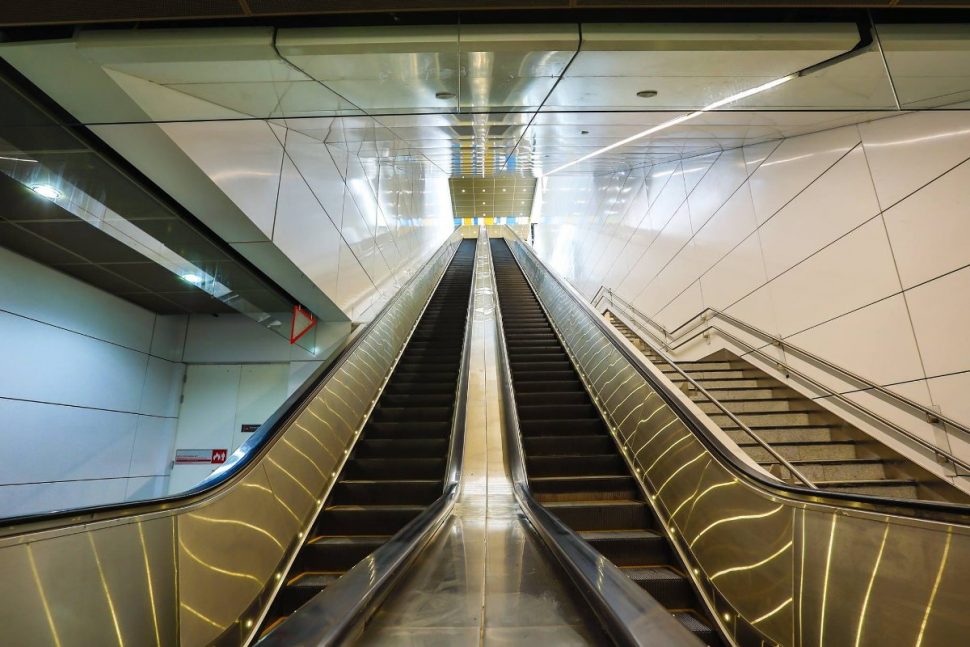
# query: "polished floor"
(486, 579)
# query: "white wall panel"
(71, 304)
(852, 272)
(930, 230)
(48, 443)
(834, 204)
(304, 231)
(241, 157)
(907, 152)
(940, 310)
(726, 175)
(794, 164)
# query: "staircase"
(826, 449)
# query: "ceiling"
(502, 196)
(104, 228)
(94, 11)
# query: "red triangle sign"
(301, 324)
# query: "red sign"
(301, 323)
(196, 456)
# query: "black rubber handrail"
(936, 510)
(244, 457)
(333, 616)
(630, 615)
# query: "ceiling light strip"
(677, 120)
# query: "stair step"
(807, 451)
(337, 554)
(665, 584)
(576, 465)
(387, 492)
(367, 520)
(586, 488)
(630, 547)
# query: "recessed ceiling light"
(444, 95)
(47, 191)
(194, 279)
(647, 94)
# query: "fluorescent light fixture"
(678, 120)
(47, 191)
(18, 159)
(194, 279)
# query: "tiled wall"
(89, 393)
(853, 243)
(315, 189)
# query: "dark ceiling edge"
(403, 12)
(23, 85)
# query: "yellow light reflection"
(43, 597)
(222, 571)
(740, 517)
(936, 587)
(679, 470)
(151, 586)
(872, 580)
(825, 582)
(236, 522)
(200, 616)
(107, 593)
(735, 569)
(667, 451)
(773, 611)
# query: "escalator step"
(366, 520)
(402, 447)
(602, 464)
(666, 585)
(556, 411)
(603, 515)
(566, 445)
(387, 492)
(584, 488)
(407, 429)
(335, 554)
(562, 427)
(383, 413)
(393, 469)
(630, 547)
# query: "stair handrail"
(795, 472)
(672, 341)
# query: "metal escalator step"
(603, 515)
(665, 584)
(407, 429)
(383, 413)
(549, 398)
(387, 492)
(336, 554)
(417, 400)
(367, 520)
(556, 411)
(410, 387)
(698, 627)
(630, 547)
(393, 469)
(564, 445)
(586, 488)
(549, 386)
(562, 427)
(402, 447)
(573, 465)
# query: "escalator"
(398, 465)
(574, 466)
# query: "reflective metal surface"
(485, 579)
(780, 564)
(200, 571)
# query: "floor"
(486, 579)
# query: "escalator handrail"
(242, 458)
(629, 614)
(332, 616)
(953, 513)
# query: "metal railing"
(672, 340)
(769, 555)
